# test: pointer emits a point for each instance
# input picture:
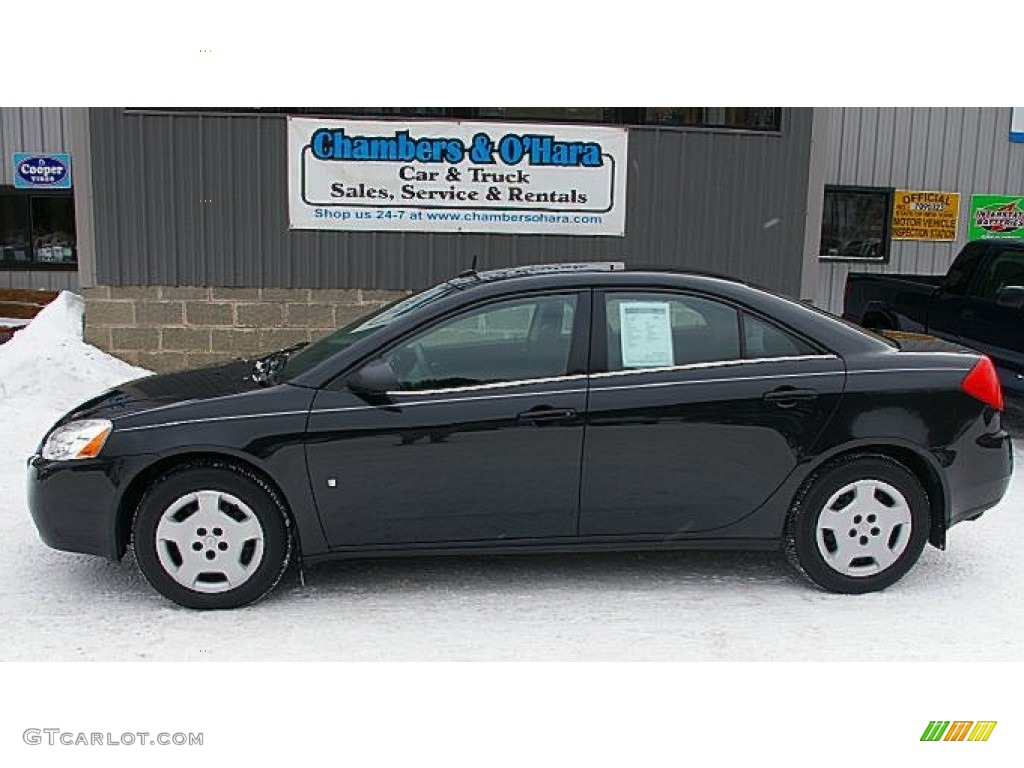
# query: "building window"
(548, 114)
(737, 118)
(37, 230)
(765, 119)
(419, 113)
(855, 223)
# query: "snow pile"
(48, 363)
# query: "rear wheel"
(858, 524)
(212, 536)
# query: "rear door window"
(664, 330)
(658, 330)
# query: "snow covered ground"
(964, 604)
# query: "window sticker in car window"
(646, 336)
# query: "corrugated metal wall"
(33, 129)
(965, 150)
(729, 202)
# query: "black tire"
(248, 488)
(801, 536)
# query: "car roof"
(471, 286)
(593, 273)
(1015, 243)
(1010, 242)
(497, 283)
(543, 269)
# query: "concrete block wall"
(169, 328)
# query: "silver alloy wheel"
(209, 541)
(863, 528)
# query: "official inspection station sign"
(919, 215)
(456, 177)
(996, 216)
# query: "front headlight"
(77, 440)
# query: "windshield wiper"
(265, 368)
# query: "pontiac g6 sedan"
(569, 408)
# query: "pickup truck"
(979, 303)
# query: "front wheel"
(858, 524)
(212, 536)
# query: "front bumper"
(74, 504)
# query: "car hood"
(169, 389)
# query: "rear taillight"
(983, 384)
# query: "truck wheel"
(876, 322)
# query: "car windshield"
(314, 354)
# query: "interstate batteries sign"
(456, 177)
(996, 216)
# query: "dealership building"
(200, 235)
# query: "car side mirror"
(374, 378)
(1011, 296)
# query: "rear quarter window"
(763, 340)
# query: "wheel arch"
(920, 463)
(139, 484)
(877, 316)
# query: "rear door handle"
(787, 397)
(545, 415)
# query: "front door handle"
(787, 397)
(546, 415)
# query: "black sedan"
(568, 408)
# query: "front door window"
(517, 340)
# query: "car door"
(992, 325)
(698, 411)
(480, 442)
(952, 306)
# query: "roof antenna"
(471, 272)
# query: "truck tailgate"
(922, 342)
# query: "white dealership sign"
(456, 177)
